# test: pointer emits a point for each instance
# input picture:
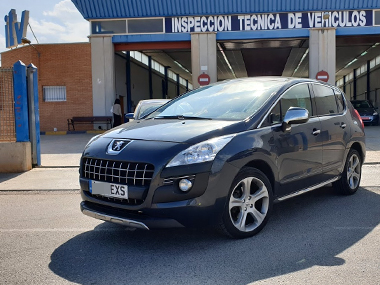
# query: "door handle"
(316, 132)
(343, 125)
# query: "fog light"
(185, 185)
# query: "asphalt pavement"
(315, 238)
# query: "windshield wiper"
(181, 117)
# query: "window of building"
(363, 68)
(377, 59)
(339, 82)
(372, 63)
(54, 93)
(325, 100)
(377, 18)
(144, 59)
(144, 26)
(109, 27)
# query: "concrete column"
(322, 52)
(103, 75)
(203, 56)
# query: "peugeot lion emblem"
(116, 146)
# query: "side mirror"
(295, 115)
(129, 115)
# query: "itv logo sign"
(15, 31)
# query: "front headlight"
(91, 140)
(201, 152)
(375, 114)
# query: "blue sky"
(53, 21)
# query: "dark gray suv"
(222, 154)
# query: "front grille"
(120, 172)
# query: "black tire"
(349, 182)
(246, 213)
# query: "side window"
(339, 100)
(275, 115)
(297, 96)
(325, 100)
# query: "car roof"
(153, 101)
(283, 79)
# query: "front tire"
(349, 183)
(249, 204)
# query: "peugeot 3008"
(222, 154)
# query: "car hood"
(365, 111)
(175, 130)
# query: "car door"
(299, 151)
(331, 110)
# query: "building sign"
(274, 21)
(15, 31)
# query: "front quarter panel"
(246, 149)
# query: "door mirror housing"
(129, 115)
(295, 115)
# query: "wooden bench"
(89, 120)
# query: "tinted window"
(297, 96)
(109, 27)
(139, 26)
(325, 100)
(340, 101)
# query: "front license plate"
(109, 189)
(366, 118)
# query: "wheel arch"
(356, 146)
(264, 168)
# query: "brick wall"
(59, 65)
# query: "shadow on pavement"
(64, 144)
(304, 231)
(8, 176)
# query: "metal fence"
(7, 115)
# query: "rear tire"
(349, 183)
(249, 203)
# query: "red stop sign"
(322, 76)
(204, 79)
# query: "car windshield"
(361, 104)
(148, 108)
(234, 100)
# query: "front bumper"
(161, 205)
(370, 119)
(126, 219)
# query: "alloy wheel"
(249, 204)
(353, 171)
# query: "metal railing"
(7, 115)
